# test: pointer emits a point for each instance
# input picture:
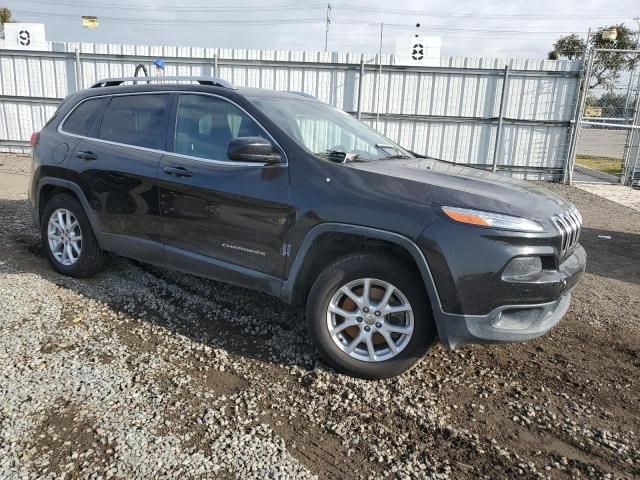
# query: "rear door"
(116, 166)
(77, 125)
(221, 216)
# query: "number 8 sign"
(418, 51)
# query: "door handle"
(86, 155)
(178, 171)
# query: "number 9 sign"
(24, 38)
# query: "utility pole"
(326, 32)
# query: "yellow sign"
(89, 22)
(591, 111)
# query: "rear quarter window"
(83, 116)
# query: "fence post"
(378, 88)
(78, 66)
(629, 90)
(496, 149)
(573, 132)
(359, 108)
(632, 152)
(571, 158)
(215, 65)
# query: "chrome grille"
(568, 224)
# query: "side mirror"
(253, 149)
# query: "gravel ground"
(142, 372)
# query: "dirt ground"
(143, 372)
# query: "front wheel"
(369, 316)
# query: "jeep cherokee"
(279, 192)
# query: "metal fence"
(608, 117)
(507, 115)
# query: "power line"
(469, 15)
(149, 21)
(312, 23)
(306, 6)
(306, 20)
(196, 9)
(349, 21)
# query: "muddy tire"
(369, 316)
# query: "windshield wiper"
(338, 156)
(387, 147)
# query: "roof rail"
(114, 82)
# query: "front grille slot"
(569, 224)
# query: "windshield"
(328, 132)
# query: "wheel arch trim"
(288, 285)
(75, 188)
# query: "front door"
(221, 218)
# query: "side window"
(135, 120)
(81, 119)
(205, 125)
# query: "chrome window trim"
(64, 119)
(229, 163)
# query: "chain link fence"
(607, 137)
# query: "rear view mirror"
(253, 149)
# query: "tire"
(90, 258)
(352, 272)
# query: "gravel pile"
(142, 372)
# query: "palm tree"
(5, 16)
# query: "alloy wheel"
(64, 236)
(370, 320)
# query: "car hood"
(457, 185)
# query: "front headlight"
(490, 219)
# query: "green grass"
(603, 164)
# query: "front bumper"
(515, 323)
(525, 322)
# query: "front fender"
(409, 245)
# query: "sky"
(488, 28)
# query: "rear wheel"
(67, 237)
(369, 316)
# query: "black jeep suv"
(282, 193)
